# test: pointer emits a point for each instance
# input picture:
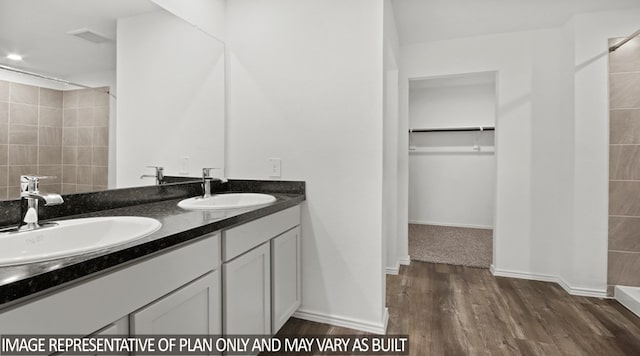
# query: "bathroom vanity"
(223, 272)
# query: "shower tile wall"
(85, 140)
(39, 125)
(624, 165)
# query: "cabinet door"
(193, 309)
(119, 328)
(285, 278)
(247, 293)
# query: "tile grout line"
(9, 119)
(624, 251)
(39, 138)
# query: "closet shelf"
(453, 129)
(452, 149)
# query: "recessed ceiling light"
(14, 57)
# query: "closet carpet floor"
(451, 245)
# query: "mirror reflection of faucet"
(159, 176)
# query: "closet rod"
(455, 129)
(618, 45)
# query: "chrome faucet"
(30, 192)
(159, 176)
(206, 181)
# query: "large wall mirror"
(145, 88)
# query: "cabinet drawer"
(242, 238)
(85, 307)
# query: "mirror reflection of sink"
(227, 201)
(72, 237)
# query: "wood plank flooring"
(454, 310)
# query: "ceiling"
(37, 30)
(432, 20)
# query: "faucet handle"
(29, 177)
(206, 172)
(159, 176)
(29, 183)
(159, 172)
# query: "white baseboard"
(473, 226)
(583, 292)
(395, 269)
(351, 323)
(405, 261)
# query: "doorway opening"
(452, 168)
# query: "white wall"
(509, 55)
(207, 15)
(403, 161)
(452, 189)
(455, 105)
(393, 235)
(171, 101)
(552, 152)
(552, 133)
(306, 86)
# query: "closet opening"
(452, 168)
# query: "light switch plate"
(275, 167)
(184, 165)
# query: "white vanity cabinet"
(181, 285)
(260, 289)
(243, 281)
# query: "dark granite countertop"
(23, 282)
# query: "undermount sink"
(72, 237)
(227, 201)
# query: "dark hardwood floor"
(454, 310)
